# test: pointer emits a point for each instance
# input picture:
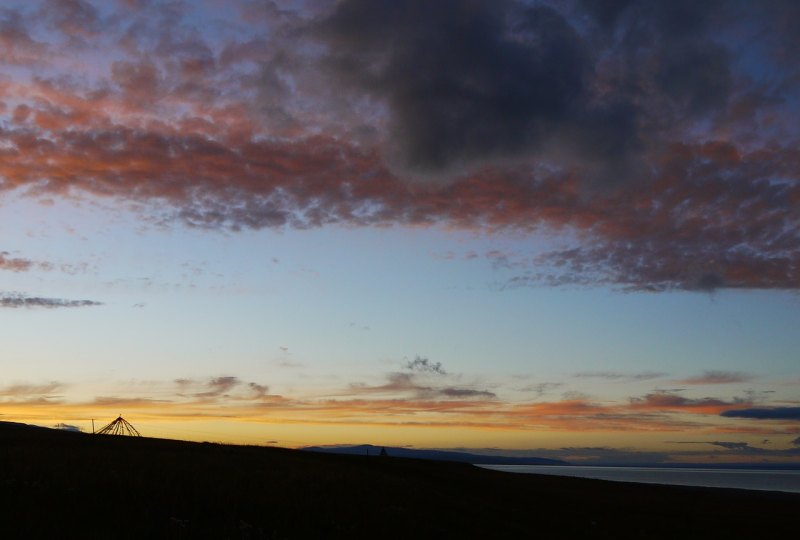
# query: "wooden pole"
(92, 426)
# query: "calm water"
(770, 480)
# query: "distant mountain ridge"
(434, 455)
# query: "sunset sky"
(566, 229)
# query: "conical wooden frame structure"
(120, 426)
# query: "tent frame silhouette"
(120, 426)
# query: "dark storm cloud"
(472, 82)
(16, 300)
(627, 88)
(766, 413)
(696, 77)
(463, 80)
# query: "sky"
(565, 229)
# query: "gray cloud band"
(766, 413)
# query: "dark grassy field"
(66, 485)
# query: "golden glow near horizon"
(575, 430)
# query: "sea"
(758, 479)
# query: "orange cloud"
(216, 167)
(246, 403)
(665, 401)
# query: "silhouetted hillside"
(433, 455)
(56, 484)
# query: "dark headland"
(55, 484)
(433, 455)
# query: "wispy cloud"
(125, 401)
(19, 300)
(423, 365)
(226, 387)
(540, 389)
(730, 445)
(584, 415)
(740, 448)
(668, 401)
(406, 384)
(20, 264)
(14, 264)
(718, 377)
(17, 390)
(466, 393)
(218, 386)
(619, 376)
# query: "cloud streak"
(765, 413)
(406, 384)
(718, 377)
(18, 300)
(18, 390)
(619, 376)
(668, 401)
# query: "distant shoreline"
(780, 480)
